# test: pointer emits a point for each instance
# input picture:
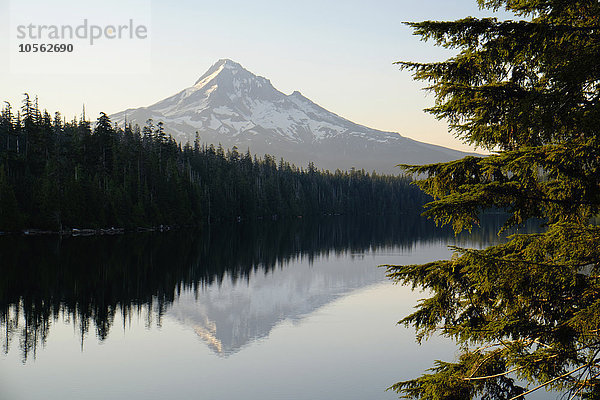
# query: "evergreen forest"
(58, 175)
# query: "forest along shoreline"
(82, 178)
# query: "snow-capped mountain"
(234, 107)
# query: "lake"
(268, 310)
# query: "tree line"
(57, 174)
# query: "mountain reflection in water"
(231, 284)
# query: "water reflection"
(230, 284)
(232, 314)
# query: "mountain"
(234, 107)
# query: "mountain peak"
(229, 64)
(217, 68)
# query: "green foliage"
(57, 175)
(526, 311)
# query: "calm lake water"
(271, 310)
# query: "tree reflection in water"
(88, 281)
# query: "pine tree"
(10, 218)
(527, 310)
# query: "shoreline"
(77, 232)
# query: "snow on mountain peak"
(218, 68)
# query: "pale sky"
(339, 54)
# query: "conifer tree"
(526, 313)
(9, 211)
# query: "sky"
(339, 54)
